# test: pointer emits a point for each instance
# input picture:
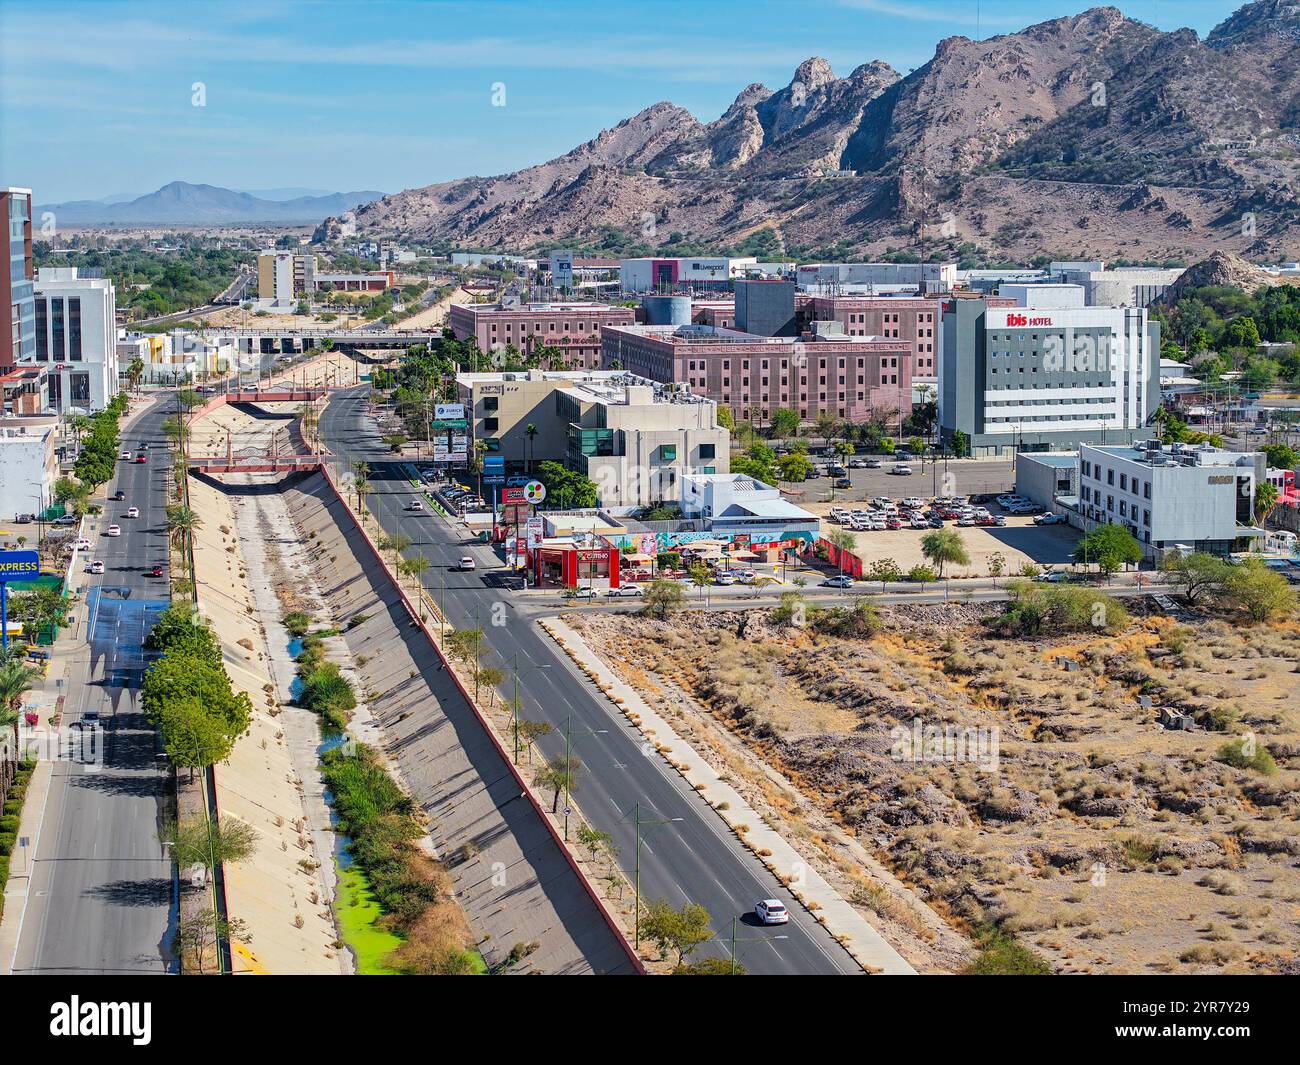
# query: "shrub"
(1247, 754)
(1001, 954)
(296, 623)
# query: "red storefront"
(568, 565)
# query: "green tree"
(1110, 546)
(942, 546)
(567, 489)
(884, 570)
(785, 423)
(663, 597)
(209, 843)
(726, 419)
(1281, 456)
(1196, 573)
(559, 776)
(1263, 593)
(681, 931)
(794, 467)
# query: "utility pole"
(636, 938)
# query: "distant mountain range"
(180, 203)
(1093, 135)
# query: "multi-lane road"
(101, 895)
(694, 857)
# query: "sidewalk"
(868, 948)
(21, 863)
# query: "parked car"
(1053, 576)
(132, 512)
(113, 530)
(726, 578)
(771, 911)
(1051, 519)
(580, 593)
(874, 464)
(901, 470)
(466, 563)
(81, 544)
(625, 591)
(857, 464)
(843, 482)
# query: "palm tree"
(530, 431)
(79, 424)
(16, 679)
(182, 523)
(135, 371)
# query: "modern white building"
(697, 273)
(738, 507)
(1173, 496)
(1040, 379)
(76, 337)
(28, 466)
(919, 277)
(1045, 296)
(1134, 286)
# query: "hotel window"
(490, 402)
(56, 332)
(490, 425)
(708, 451)
(42, 330)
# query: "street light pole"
(636, 937)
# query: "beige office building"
(634, 437)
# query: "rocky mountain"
(1092, 135)
(180, 203)
(1223, 269)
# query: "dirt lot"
(1051, 803)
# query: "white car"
(113, 530)
(132, 512)
(414, 504)
(901, 470)
(466, 562)
(126, 456)
(771, 911)
(625, 591)
(1053, 576)
(81, 545)
(726, 578)
(1051, 519)
(96, 566)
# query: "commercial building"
(284, 276)
(572, 327)
(699, 273)
(17, 295)
(846, 377)
(1134, 286)
(740, 509)
(24, 390)
(28, 465)
(830, 278)
(766, 308)
(909, 318)
(1015, 379)
(633, 437)
(76, 336)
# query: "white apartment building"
(1183, 496)
(28, 466)
(76, 337)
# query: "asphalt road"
(101, 894)
(693, 859)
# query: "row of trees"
(97, 460)
(1221, 327)
(187, 693)
(1247, 585)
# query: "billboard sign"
(562, 269)
(448, 411)
(534, 492)
(514, 494)
(19, 565)
(536, 531)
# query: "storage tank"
(667, 310)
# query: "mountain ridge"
(1091, 132)
(183, 203)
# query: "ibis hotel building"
(1046, 379)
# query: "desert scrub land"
(1089, 835)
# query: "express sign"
(19, 565)
(1017, 320)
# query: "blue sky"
(95, 97)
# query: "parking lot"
(956, 477)
(1017, 539)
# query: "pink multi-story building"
(846, 377)
(912, 319)
(574, 328)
